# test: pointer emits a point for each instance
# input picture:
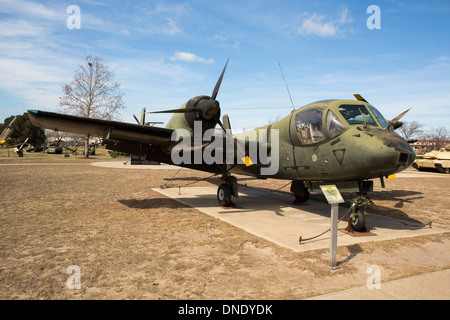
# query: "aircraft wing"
(120, 136)
(153, 142)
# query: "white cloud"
(315, 25)
(320, 26)
(190, 57)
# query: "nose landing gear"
(357, 219)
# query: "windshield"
(334, 126)
(357, 114)
(379, 116)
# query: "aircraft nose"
(405, 154)
(406, 158)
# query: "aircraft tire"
(224, 195)
(302, 197)
(359, 222)
(300, 191)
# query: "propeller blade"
(182, 110)
(401, 115)
(136, 119)
(219, 82)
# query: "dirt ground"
(131, 242)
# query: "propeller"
(394, 123)
(208, 108)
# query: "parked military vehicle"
(434, 160)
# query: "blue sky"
(166, 52)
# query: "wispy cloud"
(323, 26)
(171, 27)
(190, 57)
(31, 9)
(20, 28)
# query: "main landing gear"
(227, 190)
(300, 192)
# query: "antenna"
(292, 102)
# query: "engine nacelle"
(204, 109)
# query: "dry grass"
(133, 243)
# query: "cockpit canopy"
(317, 124)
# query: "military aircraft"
(7, 131)
(342, 142)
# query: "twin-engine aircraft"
(342, 142)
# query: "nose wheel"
(358, 216)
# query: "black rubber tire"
(359, 223)
(224, 195)
(304, 197)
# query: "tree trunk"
(86, 150)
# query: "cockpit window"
(379, 116)
(334, 126)
(308, 124)
(357, 114)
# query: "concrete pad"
(272, 216)
(429, 286)
(421, 174)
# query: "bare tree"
(439, 136)
(92, 93)
(409, 129)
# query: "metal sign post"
(334, 197)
